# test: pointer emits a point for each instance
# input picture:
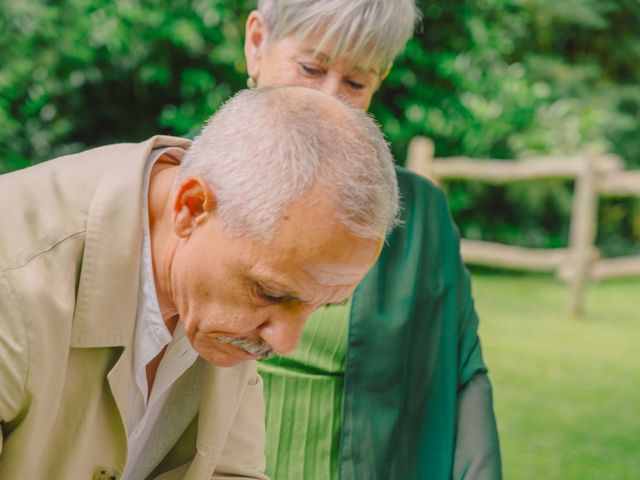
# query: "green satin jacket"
(417, 400)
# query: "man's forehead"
(312, 253)
(295, 279)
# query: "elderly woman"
(391, 385)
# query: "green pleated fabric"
(303, 397)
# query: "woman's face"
(290, 61)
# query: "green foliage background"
(483, 78)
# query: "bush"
(482, 78)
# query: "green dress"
(417, 401)
(303, 394)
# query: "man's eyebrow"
(288, 297)
(280, 290)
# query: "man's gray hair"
(364, 32)
(268, 147)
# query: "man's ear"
(255, 42)
(194, 202)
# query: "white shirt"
(151, 336)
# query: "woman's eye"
(310, 69)
(355, 85)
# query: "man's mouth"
(257, 348)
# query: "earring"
(251, 82)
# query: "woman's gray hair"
(365, 32)
(268, 147)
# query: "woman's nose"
(331, 85)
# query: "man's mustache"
(258, 348)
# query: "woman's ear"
(193, 204)
(255, 41)
(383, 74)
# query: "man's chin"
(229, 359)
(230, 362)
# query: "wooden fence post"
(420, 157)
(582, 233)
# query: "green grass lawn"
(566, 390)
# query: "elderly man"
(130, 274)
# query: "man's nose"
(283, 332)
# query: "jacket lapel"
(222, 389)
(108, 288)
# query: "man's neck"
(152, 366)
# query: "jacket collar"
(108, 289)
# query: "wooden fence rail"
(594, 176)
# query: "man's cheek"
(190, 326)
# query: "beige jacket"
(69, 256)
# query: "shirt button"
(105, 475)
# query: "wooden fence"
(594, 176)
